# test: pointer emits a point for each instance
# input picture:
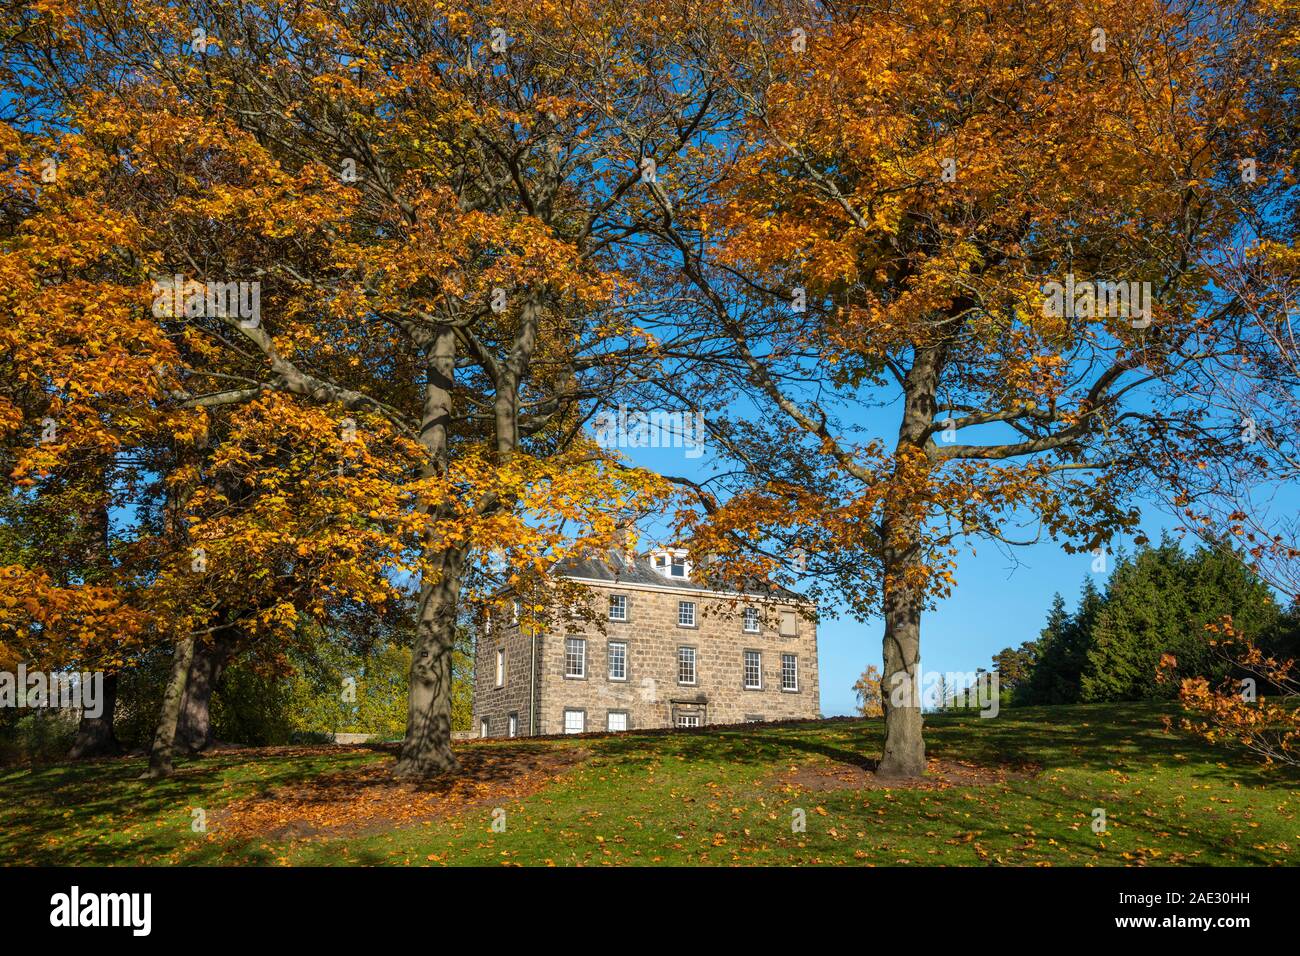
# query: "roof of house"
(616, 568)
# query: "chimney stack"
(627, 542)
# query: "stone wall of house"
(651, 695)
(496, 704)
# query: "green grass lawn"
(713, 798)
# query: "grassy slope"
(714, 798)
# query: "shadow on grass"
(1127, 738)
(56, 815)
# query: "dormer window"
(672, 564)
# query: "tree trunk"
(194, 722)
(904, 751)
(160, 754)
(426, 751)
(95, 737)
(902, 533)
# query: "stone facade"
(755, 665)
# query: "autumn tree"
(104, 426)
(867, 689)
(78, 396)
(975, 220)
(438, 208)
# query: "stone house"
(653, 647)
